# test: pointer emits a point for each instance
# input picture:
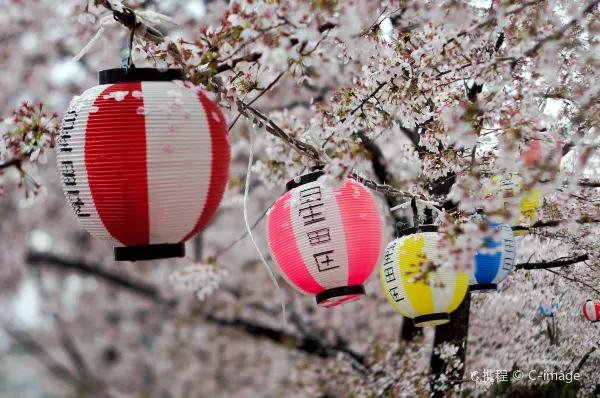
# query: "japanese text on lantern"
(311, 210)
(67, 169)
(388, 272)
(509, 248)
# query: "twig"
(36, 350)
(246, 106)
(558, 34)
(584, 359)
(225, 66)
(379, 87)
(222, 251)
(574, 280)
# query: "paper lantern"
(544, 149)
(591, 310)
(522, 206)
(144, 161)
(326, 242)
(428, 302)
(550, 311)
(494, 261)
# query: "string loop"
(138, 22)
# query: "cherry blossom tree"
(434, 101)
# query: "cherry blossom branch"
(364, 101)
(75, 355)
(256, 98)
(553, 264)
(13, 162)
(558, 34)
(138, 287)
(225, 66)
(309, 344)
(574, 280)
(584, 359)
(589, 184)
(555, 223)
(36, 350)
(308, 150)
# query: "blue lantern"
(494, 261)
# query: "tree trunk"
(455, 332)
(408, 330)
(198, 247)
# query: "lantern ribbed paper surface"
(494, 261)
(327, 243)
(591, 310)
(144, 164)
(522, 205)
(428, 302)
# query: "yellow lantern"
(522, 205)
(428, 301)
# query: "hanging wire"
(249, 229)
(134, 25)
(128, 19)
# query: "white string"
(87, 47)
(108, 22)
(249, 229)
(310, 138)
(401, 206)
(430, 204)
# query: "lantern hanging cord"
(415, 210)
(249, 229)
(138, 22)
(427, 203)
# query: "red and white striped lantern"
(591, 310)
(326, 242)
(543, 149)
(144, 161)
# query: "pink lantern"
(544, 148)
(591, 310)
(326, 242)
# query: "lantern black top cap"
(400, 231)
(303, 179)
(133, 74)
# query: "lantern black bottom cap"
(432, 319)
(483, 288)
(329, 297)
(150, 252)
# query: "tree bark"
(454, 332)
(457, 330)
(408, 331)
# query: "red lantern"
(591, 310)
(544, 147)
(144, 161)
(327, 243)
